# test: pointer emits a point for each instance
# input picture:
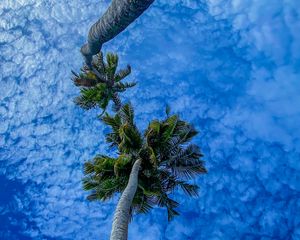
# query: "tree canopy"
(169, 161)
(102, 83)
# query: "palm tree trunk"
(122, 213)
(117, 17)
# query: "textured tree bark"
(122, 213)
(117, 17)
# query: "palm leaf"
(189, 189)
(99, 63)
(121, 163)
(112, 64)
(172, 213)
(113, 121)
(114, 139)
(121, 87)
(89, 183)
(169, 126)
(127, 114)
(185, 131)
(168, 110)
(121, 74)
(117, 102)
(130, 138)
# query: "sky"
(230, 67)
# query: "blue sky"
(230, 67)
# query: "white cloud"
(230, 67)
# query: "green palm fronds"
(101, 83)
(169, 161)
(97, 96)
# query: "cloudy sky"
(231, 67)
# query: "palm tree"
(117, 17)
(148, 167)
(102, 84)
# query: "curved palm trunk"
(122, 213)
(117, 17)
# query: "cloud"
(230, 67)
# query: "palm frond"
(84, 102)
(117, 102)
(114, 139)
(112, 64)
(105, 176)
(144, 206)
(130, 138)
(108, 187)
(84, 82)
(121, 87)
(185, 131)
(74, 73)
(92, 196)
(121, 74)
(164, 201)
(172, 213)
(152, 134)
(127, 114)
(89, 183)
(121, 163)
(113, 121)
(92, 97)
(88, 168)
(101, 77)
(98, 63)
(169, 126)
(188, 171)
(104, 164)
(141, 203)
(168, 110)
(189, 189)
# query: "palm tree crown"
(101, 83)
(168, 158)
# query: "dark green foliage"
(95, 96)
(101, 84)
(168, 161)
